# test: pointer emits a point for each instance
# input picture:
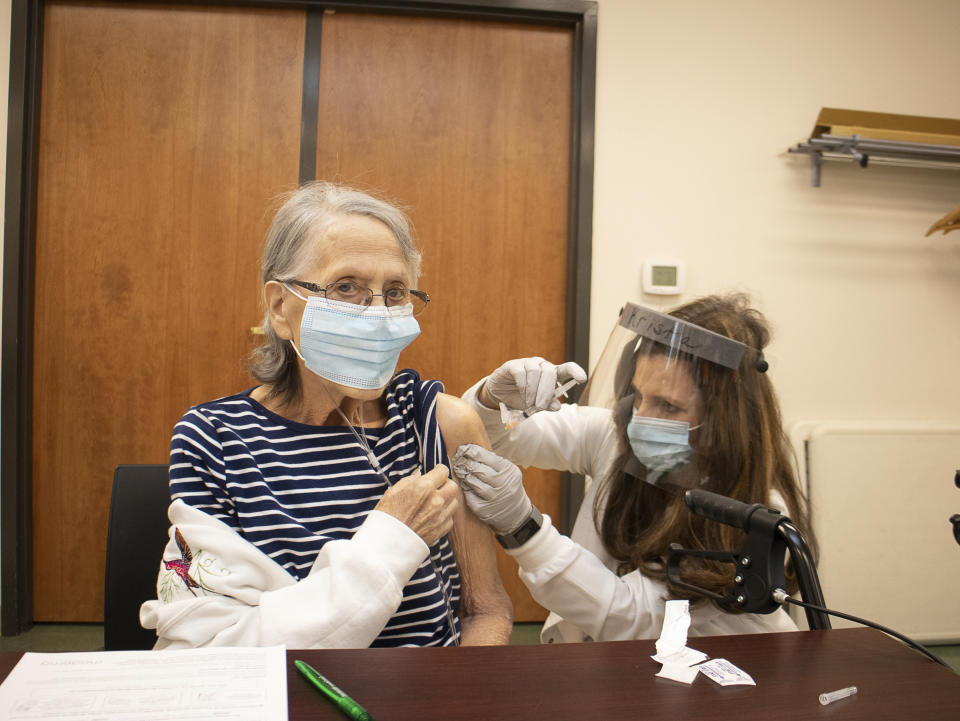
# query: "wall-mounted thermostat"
(664, 276)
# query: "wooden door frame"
(16, 335)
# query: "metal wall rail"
(862, 150)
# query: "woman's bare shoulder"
(459, 423)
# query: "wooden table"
(611, 681)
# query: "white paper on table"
(686, 656)
(678, 660)
(679, 672)
(233, 684)
(676, 621)
(725, 673)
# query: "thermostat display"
(663, 276)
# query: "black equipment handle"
(722, 509)
(759, 564)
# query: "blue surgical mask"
(351, 349)
(660, 444)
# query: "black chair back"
(136, 536)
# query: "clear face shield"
(651, 375)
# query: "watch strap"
(523, 534)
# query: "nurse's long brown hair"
(741, 451)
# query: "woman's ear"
(280, 309)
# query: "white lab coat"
(575, 577)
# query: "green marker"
(325, 686)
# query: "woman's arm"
(485, 608)
(216, 589)
(562, 575)
(578, 439)
(573, 583)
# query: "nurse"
(677, 401)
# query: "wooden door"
(164, 132)
(467, 124)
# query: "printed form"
(233, 684)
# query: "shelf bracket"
(860, 150)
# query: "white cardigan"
(238, 596)
(575, 577)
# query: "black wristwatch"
(524, 533)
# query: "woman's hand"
(424, 503)
(493, 488)
(528, 384)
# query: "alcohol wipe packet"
(725, 673)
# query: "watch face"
(524, 533)
(527, 531)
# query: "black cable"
(783, 597)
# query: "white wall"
(697, 102)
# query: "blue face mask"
(659, 444)
(355, 350)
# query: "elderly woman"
(677, 401)
(314, 510)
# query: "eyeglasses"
(347, 291)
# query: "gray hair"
(290, 247)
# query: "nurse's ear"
(284, 308)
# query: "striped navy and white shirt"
(288, 488)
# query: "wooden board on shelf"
(887, 126)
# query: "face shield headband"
(650, 375)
